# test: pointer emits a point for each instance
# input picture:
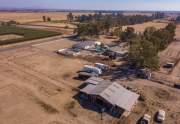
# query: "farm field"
(142, 27)
(17, 34)
(29, 17)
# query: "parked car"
(177, 85)
(68, 52)
(146, 119)
(161, 115)
(169, 65)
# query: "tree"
(178, 19)
(171, 28)
(117, 31)
(44, 18)
(115, 19)
(161, 37)
(149, 32)
(144, 48)
(70, 17)
(48, 19)
(143, 54)
(158, 15)
(128, 34)
(89, 29)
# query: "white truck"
(161, 115)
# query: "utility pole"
(102, 111)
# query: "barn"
(110, 95)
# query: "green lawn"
(28, 34)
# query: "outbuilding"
(110, 95)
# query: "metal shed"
(112, 93)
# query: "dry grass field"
(142, 27)
(27, 17)
(40, 88)
(10, 37)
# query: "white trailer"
(102, 66)
(91, 69)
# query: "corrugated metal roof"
(114, 93)
(94, 80)
(83, 44)
(88, 89)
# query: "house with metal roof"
(110, 95)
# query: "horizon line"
(54, 9)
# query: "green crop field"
(28, 34)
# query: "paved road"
(41, 26)
(29, 43)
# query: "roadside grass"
(28, 34)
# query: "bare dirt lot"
(38, 86)
(10, 37)
(40, 82)
(156, 97)
(27, 17)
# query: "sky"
(168, 5)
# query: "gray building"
(110, 95)
(84, 45)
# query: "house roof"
(113, 93)
(83, 44)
